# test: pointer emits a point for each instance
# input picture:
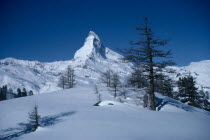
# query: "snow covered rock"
(92, 48)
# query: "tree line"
(7, 93)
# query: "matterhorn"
(89, 62)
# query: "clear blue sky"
(53, 30)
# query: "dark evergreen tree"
(24, 92)
(10, 94)
(137, 79)
(190, 94)
(30, 93)
(202, 99)
(3, 93)
(187, 90)
(164, 85)
(145, 56)
(19, 93)
(34, 118)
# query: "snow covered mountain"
(199, 70)
(89, 62)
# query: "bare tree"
(145, 56)
(34, 118)
(70, 77)
(123, 93)
(106, 77)
(67, 79)
(62, 81)
(115, 83)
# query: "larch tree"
(106, 77)
(67, 79)
(147, 53)
(136, 79)
(115, 83)
(70, 77)
(62, 81)
(34, 118)
(164, 85)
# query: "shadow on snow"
(24, 128)
(160, 103)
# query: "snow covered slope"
(199, 70)
(70, 115)
(89, 62)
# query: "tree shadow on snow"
(24, 128)
(160, 103)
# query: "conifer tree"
(144, 55)
(34, 118)
(3, 93)
(190, 94)
(164, 85)
(19, 93)
(187, 90)
(137, 79)
(24, 92)
(30, 93)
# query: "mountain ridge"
(89, 62)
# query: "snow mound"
(109, 103)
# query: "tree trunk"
(115, 91)
(151, 90)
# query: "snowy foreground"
(70, 115)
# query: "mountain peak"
(91, 33)
(92, 48)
